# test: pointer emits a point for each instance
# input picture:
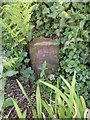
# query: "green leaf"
(24, 114)
(38, 102)
(7, 103)
(23, 91)
(45, 10)
(75, 113)
(59, 92)
(82, 24)
(65, 81)
(28, 99)
(80, 39)
(19, 113)
(48, 108)
(77, 100)
(39, 22)
(34, 113)
(26, 60)
(83, 103)
(43, 68)
(11, 73)
(62, 22)
(2, 85)
(1, 102)
(53, 15)
(20, 40)
(56, 42)
(1, 68)
(57, 31)
(72, 91)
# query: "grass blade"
(25, 94)
(79, 106)
(67, 83)
(83, 103)
(72, 91)
(34, 113)
(38, 102)
(23, 91)
(24, 114)
(61, 109)
(48, 108)
(77, 109)
(17, 109)
(75, 114)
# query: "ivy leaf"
(88, 17)
(39, 23)
(56, 42)
(26, 60)
(82, 24)
(53, 15)
(46, 10)
(79, 39)
(57, 31)
(62, 22)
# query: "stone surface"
(43, 49)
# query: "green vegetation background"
(67, 23)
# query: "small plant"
(10, 102)
(3, 76)
(27, 74)
(62, 106)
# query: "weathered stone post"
(43, 49)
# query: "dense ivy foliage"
(67, 23)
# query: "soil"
(12, 90)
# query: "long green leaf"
(2, 85)
(77, 109)
(38, 102)
(83, 103)
(24, 114)
(57, 97)
(23, 91)
(72, 91)
(34, 113)
(25, 94)
(19, 113)
(67, 83)
(79, 106)
(60, 93)
(61, 108)
(75, 113)
(48, 108)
